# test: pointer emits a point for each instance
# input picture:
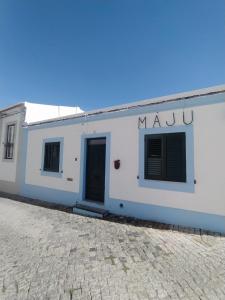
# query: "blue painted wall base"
(168, 215)
(49, 195)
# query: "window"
(165, 157)
(52, 157)
(9, 144)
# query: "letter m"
(141, 122)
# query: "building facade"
(12, 120)
(159, 159)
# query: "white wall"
(209, 149)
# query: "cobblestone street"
(51, 254)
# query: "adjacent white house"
(11, 121)
(160, 159)
(11, 137)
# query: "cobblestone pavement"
(51, 254)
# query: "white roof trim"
(155, 101)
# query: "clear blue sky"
(96, 53)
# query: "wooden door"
(95, 169)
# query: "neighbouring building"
(11, 138)
(160, 159)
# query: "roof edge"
(142, 103)
(20, 104)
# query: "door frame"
(83, 159)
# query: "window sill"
(52, 174)
(8, 160)
(188, 187)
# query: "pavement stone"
(55, 255)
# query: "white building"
(11, 137)
(160, 159)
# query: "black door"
(95, 169)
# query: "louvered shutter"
(175, 162)
(153, 157)
(165, 157)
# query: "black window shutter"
(175, 157)
(153, 157)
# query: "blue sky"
(96, 53)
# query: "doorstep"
(86, 210)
